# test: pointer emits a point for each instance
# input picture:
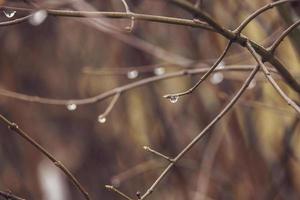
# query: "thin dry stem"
(14, 127)
(213, 67)
(121, 194)
(116, 15)
(203, 132)
(131, 26)
(121, 89)
(251, 17)
(158, 154)
(111, 105)
(241, 40)
(282, 36)
(268, 75)
(212, 25)
(10, 196)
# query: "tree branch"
(14, 127)
(277, 42)
(9, 196)
(124, 88)
(203, 132)
(213, 67)
(268, 75)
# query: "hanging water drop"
(38, 17)
(217, 78)
(221, 65)
(71, 107)
(101, 119)
(159, 71)
(174, 99)
(132, 74)
(9, 13)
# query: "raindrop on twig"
(9, 13)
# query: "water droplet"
(197, 20)
(221, 65)
(71, 106)
(252, 84)
(159, 71)
(101, 119)
(216, 78)
(38, 17)
(132, 74)
(9, 13)
(174, 99)
(145, 147)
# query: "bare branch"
(204, 131)
(10, 196)
(124, 88)
(241, 39)
(273, 47)
(14, 127)
(121, 194)
(158, 154)
(241, 27)
(102, 117)
(95, 14)
(15, 21)
(289, 101)
(130, 27)
(213, 25)
(169, 96)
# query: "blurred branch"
(95, 14)
(15, 128)
(123, 88)
(9, 196)
(102, 117)
(15, 21)
(215, 65)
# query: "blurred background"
(252, 153)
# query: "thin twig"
(10, 196)
(158, 154)
(241, 40)
(110, 106)
(268, 75)
(130, 27)
(14, 127)
(277, 42)
(96, 14)
(204, 131)
(213, 26)
(213, 67)
(124, 88)
(15, 21)
(139, 169)
(112, 188)
(241, 27)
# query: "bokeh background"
(252, 153)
